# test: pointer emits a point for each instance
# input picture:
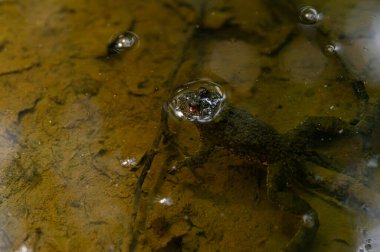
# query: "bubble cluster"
(308, 15)
(122, 42)
(198, 101)
(367, 246)
(370, 242)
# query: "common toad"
(223, 125)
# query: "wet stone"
(217, 19)
(160, 225)
(86, 86)
(174, 245)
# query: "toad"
(222, 125)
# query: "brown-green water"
(71, 118)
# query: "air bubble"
(308, 15)
(309, 220)
(122, 42)
(368, 247)
(331, 49)
(198, 101)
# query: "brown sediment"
(67, 119)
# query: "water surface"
(74, 121)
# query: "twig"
(163, 131)
(21, 70)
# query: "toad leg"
(313, 131)
(196, 160)
(345, 189)
(319, 126)
(279, 194)
(313, 128)
(369, 118)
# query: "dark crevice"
(26, 111)
(20, 70)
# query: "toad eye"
(193, 107)
(203, 92)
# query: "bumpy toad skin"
(241, 133)
(247, 136)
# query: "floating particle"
(128, 162)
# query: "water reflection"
(362, 39)
(236, 62)
(166, 201)
(24, 248)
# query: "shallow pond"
(81, 106)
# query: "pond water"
(83, 84)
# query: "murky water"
(83, 83)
